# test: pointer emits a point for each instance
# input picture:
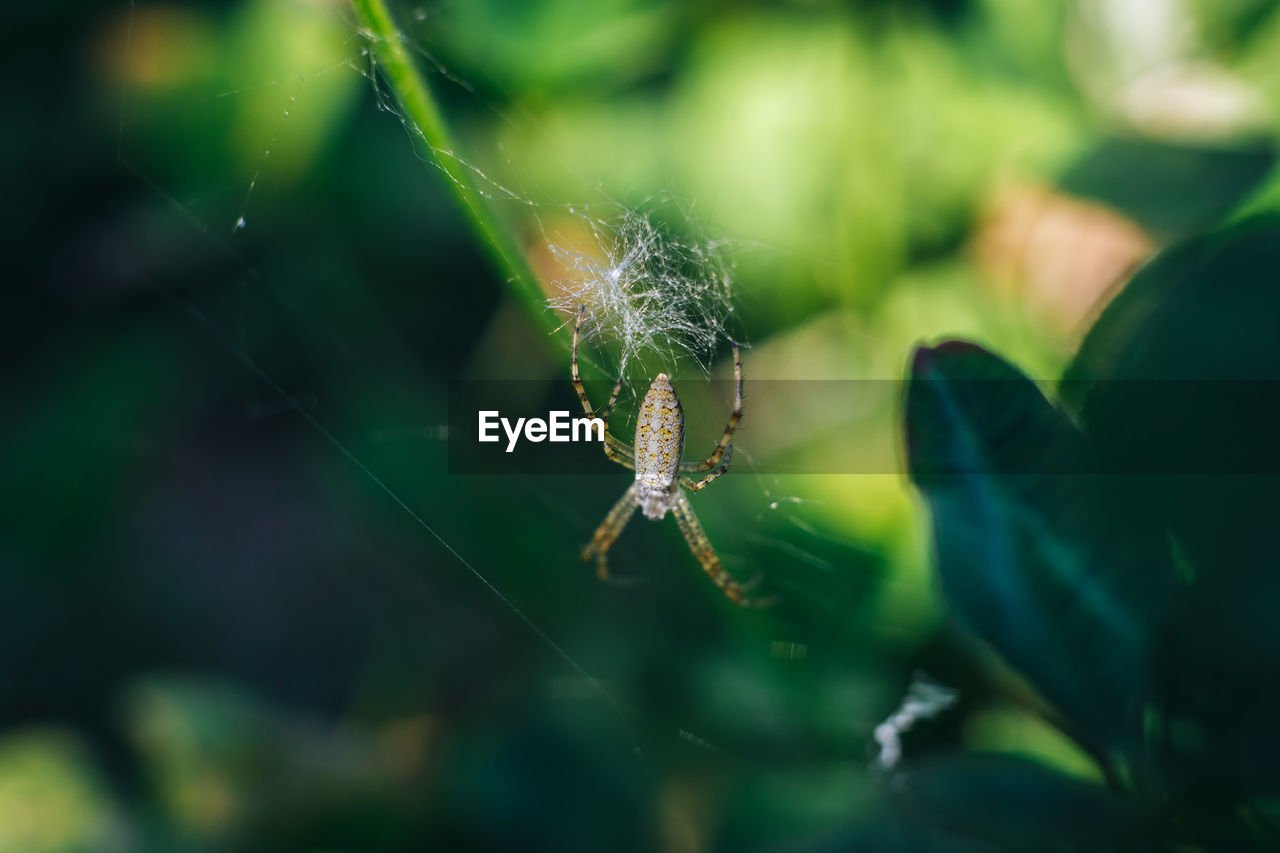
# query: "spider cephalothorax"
(658, 460)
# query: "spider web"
(646, 291)
(650, 290)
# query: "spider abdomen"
(659, 447)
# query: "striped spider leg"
(661, 473)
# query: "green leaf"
(969, 802)
(1180, 379)
(1033, 556)
(1171, 189)
(1015, 804)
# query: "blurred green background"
(245, 606)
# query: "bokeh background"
(244, 605)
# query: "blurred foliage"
(1131, 176)
(240, 295)
(53, 798)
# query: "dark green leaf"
(1180, 378)
(1032, 555)
(1170, 189)
(993, 803)
(1015, 804)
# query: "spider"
(657, 459)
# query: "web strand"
(616, 704)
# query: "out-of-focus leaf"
(1168, 188)
(1015, 805)
(989, 803)
(1204, 309)
(52, 798)
(552, 45)
(1181, 374)
(560, 778)
(784, 803)
(1032, 555)
(229, 769)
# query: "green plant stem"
(420, 109)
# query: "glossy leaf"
(1180, 378)
(1170, 189)
(1033, 556)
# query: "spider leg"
(701, 484)
(618, 452)
(609, 530)
(573, 365)
(701, 548)
(722, 447)
(615, 449)
(613, 400)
